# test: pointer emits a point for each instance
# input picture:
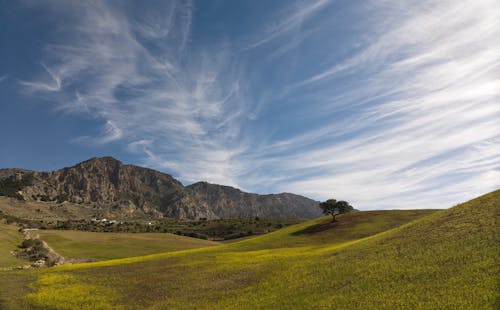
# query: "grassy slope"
(11, 282)
(445, 260)
(102, 246)
(321, 231)
(10, 238)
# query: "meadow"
(368, 260)
(93, 246)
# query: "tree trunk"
(334, 220)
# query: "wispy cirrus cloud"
(129, 72)
(289, 21)
(400, 112)
(52, 84)
(426, 125)
(111, 132)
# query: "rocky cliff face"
(109, 183)
(229, 202)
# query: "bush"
(62, 198)
(11, 186)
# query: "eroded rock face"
(107, 182)
(229, 202)
(104, 180)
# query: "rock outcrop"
(36, 250)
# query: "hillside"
(120, 191)
(384, 260)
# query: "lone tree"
(333, 207)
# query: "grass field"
(369, 260)
(79, 245)
(12, 282)
(10, 238)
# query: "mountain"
(107, 183)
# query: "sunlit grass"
(10, 239)
(56, 288)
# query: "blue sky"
(386, 104)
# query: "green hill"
(370, 260)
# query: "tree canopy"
(333, 207)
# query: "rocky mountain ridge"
(108, 183)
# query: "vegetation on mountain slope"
(12, 181)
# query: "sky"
(386, 104)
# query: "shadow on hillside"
(316, 228)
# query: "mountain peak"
(104, 159)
